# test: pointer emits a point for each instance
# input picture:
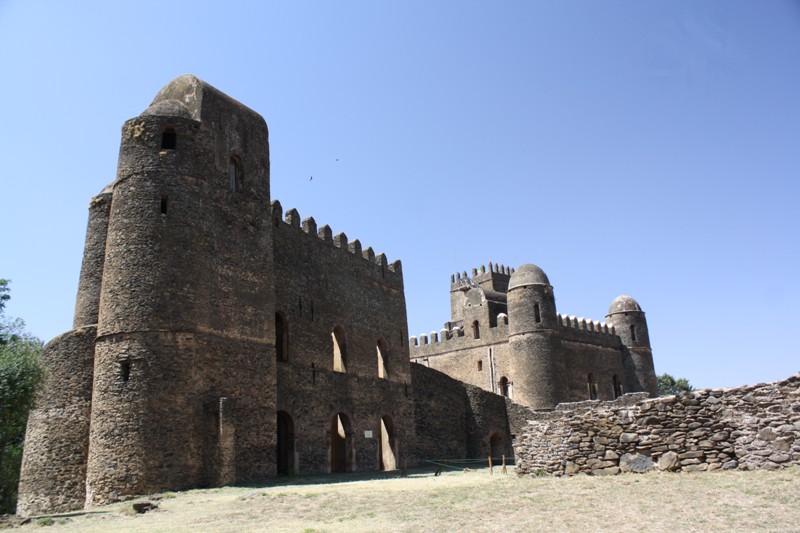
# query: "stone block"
(668, 461)
(637, 463)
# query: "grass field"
(468, 501)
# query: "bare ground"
(468, 501)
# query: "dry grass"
(473, 501)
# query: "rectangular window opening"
(163, 205)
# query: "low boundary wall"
(750, 427)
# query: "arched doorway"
(341, 444)
(285, 444)
(497, 446)
(505, 390)
(387, 453)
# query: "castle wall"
(749, 427)
(457, 421)
(459, 356)
(53, 472)
(323, 282)
(583, 348)
(146, 438)
(313, 397)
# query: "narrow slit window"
(125, 370)
(164, 200)
(476, 330)
(169, 138)
(633, 332)
(537, 315)
(235, 175)
(480, 365)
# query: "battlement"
(324, 233)
(582, 324)
(494, 274)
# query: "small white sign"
(367, 433)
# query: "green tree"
(21, 374)
(668, 385)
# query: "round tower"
(534, 347)
(186, 310)
(629, 322)
(94, 251)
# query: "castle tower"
(87, 304)
(184, 355)
(533, 343)
(628, 320)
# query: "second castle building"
(505, 336)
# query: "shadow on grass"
(428, 470)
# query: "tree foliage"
(668, 385)
(21, 374)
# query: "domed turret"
(531, 303)
(528, 274)
(535, 348)
(627, 316)
(629, 322)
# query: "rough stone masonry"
(743, 428)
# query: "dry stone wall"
(744, 428)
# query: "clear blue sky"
(650, 148)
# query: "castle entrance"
(497, 445)
(388, 445)
(341, 444)
(285, 444)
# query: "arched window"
(633, 332)
(382, 358)
(505, 389)
(476, 330)
(235, 174)
(281, 338)
(537, 315)
(592, 386)
(168, 138)
(617, 386)
(339, 349)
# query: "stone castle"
(506, 337)
(217, 340)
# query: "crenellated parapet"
(340, 240)
(481, 275)
(455, 337)
(583, 324)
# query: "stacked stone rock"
(747, 428)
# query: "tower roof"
(528, 274)
(624, 304)
(168, 108)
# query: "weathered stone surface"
(668, 461)
(746, 428)
(637, 463)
